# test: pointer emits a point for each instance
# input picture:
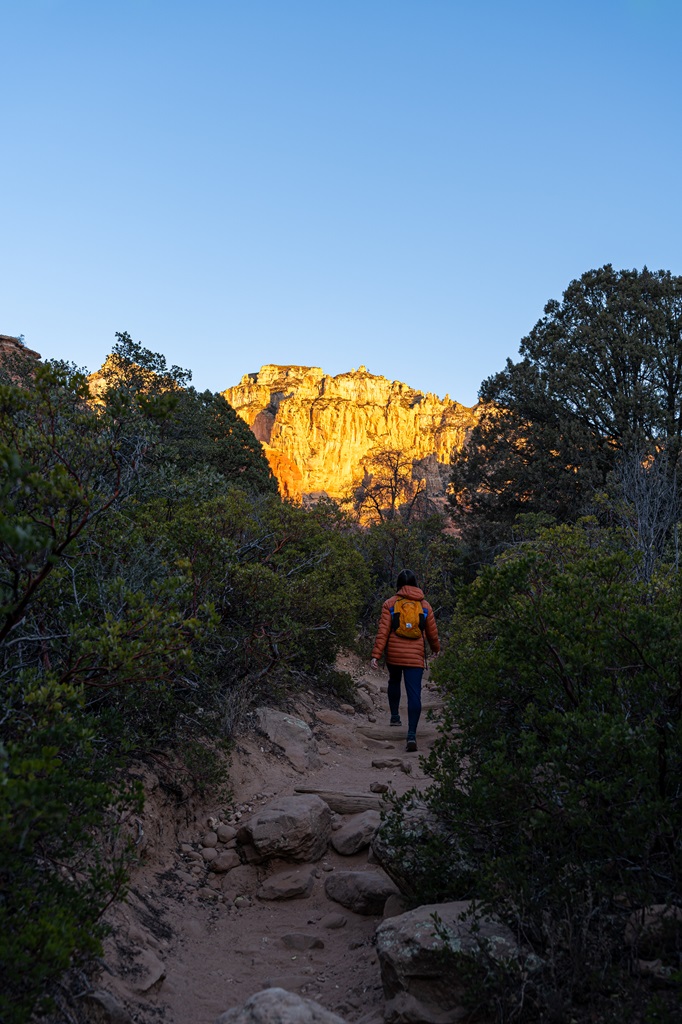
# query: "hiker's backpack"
(408, 618)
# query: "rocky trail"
(278, 887)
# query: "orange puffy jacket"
(399, 650)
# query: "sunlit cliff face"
(319, 431)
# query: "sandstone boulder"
(364, 700)
(287, 885)
(225, 862)
(292, 735)
(363, 892)
(421, 972)
(277, 1006)
(356, 833)
(291, 827)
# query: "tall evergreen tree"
(196, 430)
(600, 374)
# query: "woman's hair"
(406, 579)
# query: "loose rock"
(392, 762)
(292, 735)
(422, 984)
(395, 906)
(363, 892)
(277, 1006)
(333, 921)
(207, 893)
(225, 862)
(356, 834)
(331, 717)
(185, 877)
(287, 885)
(148, 969)
(293, 828)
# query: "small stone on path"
(333, 921)
(225, 862)
(185, 877)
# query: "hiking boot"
(395, 720)
(411, 744)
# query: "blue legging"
(413, 689)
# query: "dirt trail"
(185, 951)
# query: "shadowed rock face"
(318, 430)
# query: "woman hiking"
(407, 622)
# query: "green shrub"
(152, 588)
(54, 884)
(558, 771)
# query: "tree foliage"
(599, 374)
(197, 431)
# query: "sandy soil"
(183, 950)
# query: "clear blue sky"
(399, 183)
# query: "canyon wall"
(318, 431)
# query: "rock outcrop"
(423, 965)
(11, 347)
(291, 735)
(319, 431)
